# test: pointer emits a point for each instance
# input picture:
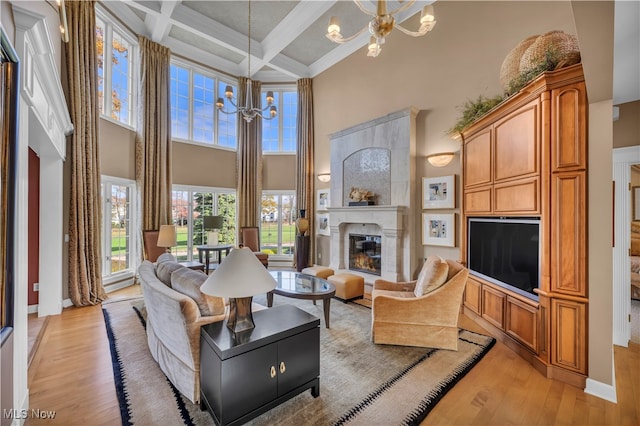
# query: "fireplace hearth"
(365, 253)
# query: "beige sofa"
(175, 312)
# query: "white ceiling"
(288, 37)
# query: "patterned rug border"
(434, 396)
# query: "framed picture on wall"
(322, 224)
(322, 203)
(439, 192)
(438, 229)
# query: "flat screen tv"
(506, 252)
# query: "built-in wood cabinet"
(528, 158)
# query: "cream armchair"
(398, 317)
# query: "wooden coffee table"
(302, 286)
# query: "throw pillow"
(434, 273)
(165, 269)
(188, 282)
(165, 257)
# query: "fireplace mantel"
(389, 222)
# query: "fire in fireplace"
(365, 253)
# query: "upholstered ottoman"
(348, 286)
(318, 271)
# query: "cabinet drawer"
(478, 200)
(521, 196)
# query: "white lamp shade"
(239, 275)
(167, 236)
(441, 159)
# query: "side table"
(247, 374)
(204, 251)
(196, 266)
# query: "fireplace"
(365, 253)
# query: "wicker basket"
(510, 68)
(562, 46)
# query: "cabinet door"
(477, 159)
(298, 360)
(472, 293)
(249, 381)
(521, 322)
(517, 143)
(569, 124)
(569, 224)
(493, 306)
(569, 335)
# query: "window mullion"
(107, 63)
(106, 267)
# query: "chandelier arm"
(364, 9)
(401, 8)
(424, 28)
(340, 39)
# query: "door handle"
(273, 372)
(283, 367)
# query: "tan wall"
(117, 150)
(193, 164)
(278, 172)
(626, 131)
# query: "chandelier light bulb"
(427, 15)
(334, 25)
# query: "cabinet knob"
(273, 371)
(283, 367)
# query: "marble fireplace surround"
(390, 217)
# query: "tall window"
(279, 134)
(116, 87)
(118, 227)
(189, 205)
(277, 227)
(193, 113)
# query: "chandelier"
(248, 111)
(381, 25)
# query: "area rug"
(360, 383)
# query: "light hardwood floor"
(72, 374)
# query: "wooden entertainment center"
(528, 158)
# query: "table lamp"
(167, 237)
(212, 224)
(240, 277)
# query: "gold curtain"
(85, 216)
(153, 137)
(304, 159)
(249, 186)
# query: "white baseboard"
(32, 309)
(602, 390)
(67, 303)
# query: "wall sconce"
(440, 159)
(324, 177)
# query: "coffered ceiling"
(288, 37)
